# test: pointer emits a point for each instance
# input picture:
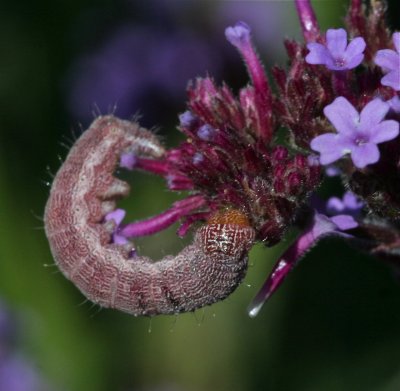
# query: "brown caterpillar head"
(227, 233)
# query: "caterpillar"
(84, 190)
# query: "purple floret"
(187, 119)
(336, 54)
(206, 132)
(350, 204)
(238, 35)
(128, 160)
(117, 216)
(358, 134)
(394, 104)
(389, 61)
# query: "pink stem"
(179, 182)
(240, 37)
(356, 6)
(321, 226)
(263, 99)
(308, 20)
(158, 167)
(163, 220)
(256, 71)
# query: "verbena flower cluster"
(338, 104)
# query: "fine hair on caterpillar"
(85, 190)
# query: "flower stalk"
(308, 21)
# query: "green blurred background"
(334, 325)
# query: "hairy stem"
(308, 20)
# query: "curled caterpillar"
(85, 190)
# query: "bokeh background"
(334, 325)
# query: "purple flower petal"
(336, 55)
(394, 104)
(342, 115)
(349, 205)
(128, 160)
(238, 35)
(385, 131)
(206, 132)
(187, 119)
(332, 171)
(392, 79)
(334, 205)
(354, 61)
(336, 41)
(356, 46)
(197, 158)
(313, 161)
(119, 239)
(396, 41)
(351, 202)
(365, 154)
(116, 215)
(387, 59)
(344, 222)
(331, 147)
(373, 113)
(318, 54)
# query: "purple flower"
(394, 104)
(187, 119)
(389, 61)
(239, 35)
(350, 204)
(336, 54)
(341, 212)
(117, 216)
(206, 132)
(128, 160)
(332, 170)
(358, 134)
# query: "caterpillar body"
(84, 190)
